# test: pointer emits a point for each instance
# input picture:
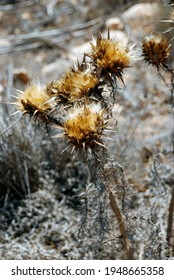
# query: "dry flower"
(34, 101)
(109, 56)
(84, 125)
(156, 50)
(74, 85)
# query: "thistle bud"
(109, 56)
(156, 50)
(83, 126)
(34, 100)
(74, 85)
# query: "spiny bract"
(83, 126)
(34, 99)
(156, 49)
(110, 56)
(74, 85)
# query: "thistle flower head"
(74, 85)
(110, 56)
(156, 49)
(83, 126)
(34, 99)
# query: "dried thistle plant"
(156, 50)
(76, 105)
(83, 126)
(110, 57)
(74, 85)
(34, 99)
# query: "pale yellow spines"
(156, 49)
(110, 56)
(83, 126)
(74, 85)
(34, 99)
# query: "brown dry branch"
(122, 226)
(170, 228)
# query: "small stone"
(4, 43)
(77, 52)
(114, 23)
(26, 16)
(141, 11)
(56, 68)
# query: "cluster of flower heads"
(75, 103)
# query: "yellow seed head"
(74, 85)
(34, 99)
(110, 56)
(156, 49)
(84, 125)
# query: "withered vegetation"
(86, 160)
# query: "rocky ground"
(49, 208)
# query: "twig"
(55, 32)
(114, 205)
(170, 223)
(122, 226)
(19, 48)
(51, 38)
(10, 126)
(50, 7)
(156, 176)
